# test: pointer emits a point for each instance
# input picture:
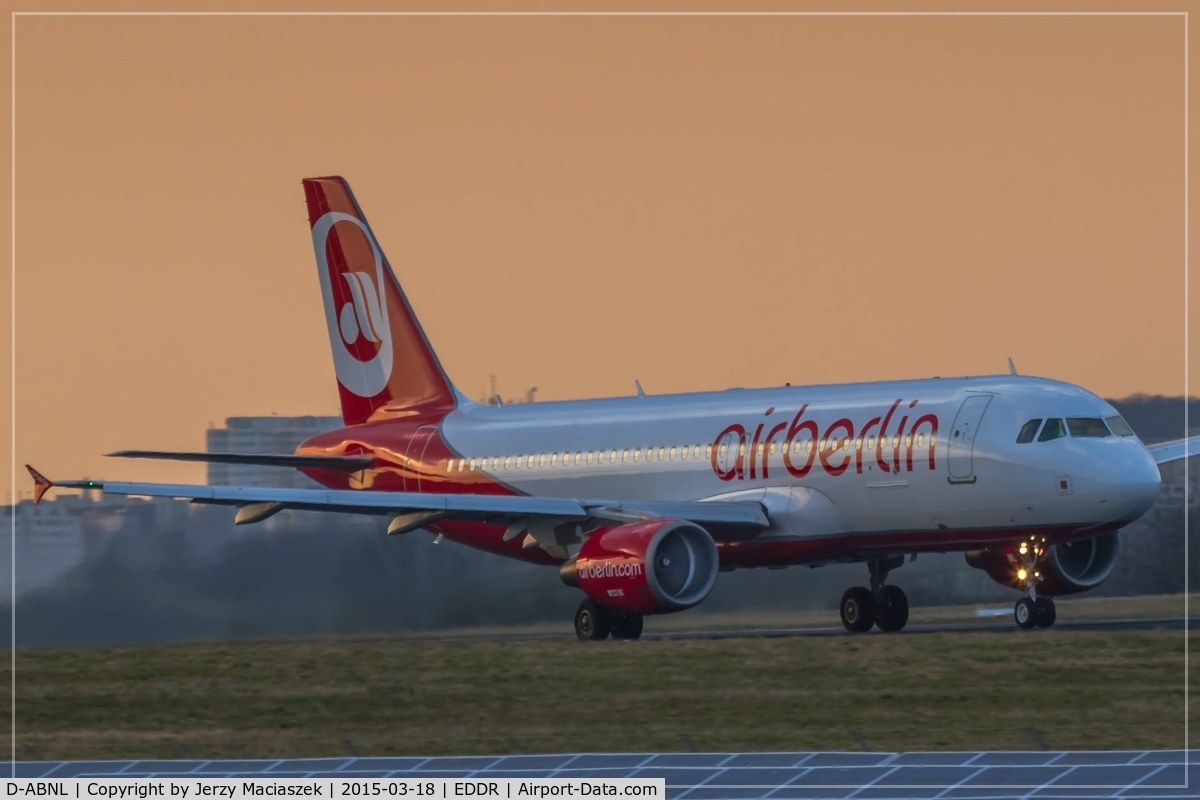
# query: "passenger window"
(1054, 429)
(870, 442)
(462, 464)
(554, 459)
(471, 465)
(612, 457)
(662, 453)
(649, 453)
(846, 443)
(708, 451)
(588, 458)
(696, 451)
(683, 452)
(542, 460)
(625, 454)
(450, 465)
(529, 461)
(920, 440)
(578, 457)
(495, 462)
(600, 457)
(637, 455)
(1087, 427)
(1028, 431)
(1119, 426)
(722, 450)
(507, 461)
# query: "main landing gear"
(594, 621)
(1031, 610)
(884, 606)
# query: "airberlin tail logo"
(350, 266)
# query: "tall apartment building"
(263, 435)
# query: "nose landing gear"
(881, 605)
(1032, 611)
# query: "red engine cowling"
(652, 567)
(1067, 568)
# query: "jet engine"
(651, 567)
(1067, 568)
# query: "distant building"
(64, 530)
(262, 436)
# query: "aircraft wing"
(535, 515)
(1167, 452)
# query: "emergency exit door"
(962, 438)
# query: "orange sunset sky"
(575, 202)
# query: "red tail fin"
(380, 354)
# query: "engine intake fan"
(652, 567)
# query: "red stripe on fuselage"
(860, 546)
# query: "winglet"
(638, 385)
(41, 484)
(1012, 370)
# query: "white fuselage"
(957, 468)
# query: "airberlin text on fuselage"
(610, 569)
(840, 446)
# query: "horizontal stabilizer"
(342, 463)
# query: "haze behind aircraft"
(641, 501)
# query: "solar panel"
(722, 776)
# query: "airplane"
(641, 501)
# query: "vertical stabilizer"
(380, 354)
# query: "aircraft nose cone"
(1141, 481)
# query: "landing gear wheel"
(892, 613)
(858, 609)
(592, 621)
(1025, 613)
(627, 626)
(1046, 613)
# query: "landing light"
(1021, 574)
(1024, 548)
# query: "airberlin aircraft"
(641, 501)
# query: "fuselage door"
(962, 438)
(414, 457)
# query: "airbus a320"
(641, 501)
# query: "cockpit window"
(1087, 427)
(1028, 431)
(1119, 426)
(1054, 429)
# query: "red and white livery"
(640, 501)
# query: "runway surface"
(1169, 623)
(716, 776)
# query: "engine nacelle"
(1067, 568)
(652, 567)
